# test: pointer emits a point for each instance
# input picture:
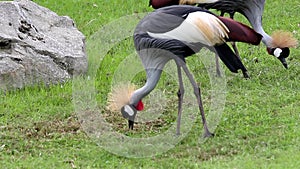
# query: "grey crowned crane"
(277, 45)
(174, 33)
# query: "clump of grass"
(259, 126)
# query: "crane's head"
(281, 54)
(129, 112)
(119, 98)
(279, 47)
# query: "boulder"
(37, 46)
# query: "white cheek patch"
(277, 52)
(129, 110)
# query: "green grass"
(39, 127)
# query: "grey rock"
(38, 46)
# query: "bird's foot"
(208, 134)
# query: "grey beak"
(283, 61)
(130, 124)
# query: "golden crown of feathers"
(283, 39)
(120, 96)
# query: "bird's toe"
(208, 135)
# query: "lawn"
(257, 121)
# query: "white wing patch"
(197, 27)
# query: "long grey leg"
(217, 57)
(197, 93)
(233, 44)
(218, 66)
(236, 51)
(180, 95)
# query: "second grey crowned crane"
(277, 45)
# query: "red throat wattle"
(269, 50)
(140, 106)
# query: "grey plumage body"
(252, 10)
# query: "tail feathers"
(232, 62)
